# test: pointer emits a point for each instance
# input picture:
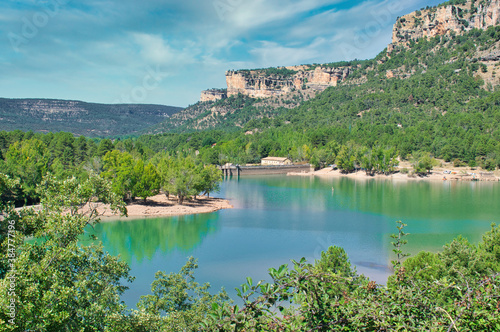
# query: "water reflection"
(140, 239)
(397, 199)
(278, 218)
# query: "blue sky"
(166, 52)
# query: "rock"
(444, 20)
(257, 84)
(494, 56)
(213, 95)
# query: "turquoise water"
(276, 219)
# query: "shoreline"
(160, 206)
(437, 175)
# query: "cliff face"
(443, 20)
(432, 22)
(258, 84)
(213, 95)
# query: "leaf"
(244, 288)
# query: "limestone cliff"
(445, 19)
(456, 16)
(213, 95)
(262, 84)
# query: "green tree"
(179, 177)
(104, 147)
(346, 159)
(177, 302)
(209, 180)
(119, 168)
(29, 161)
(367, 161)
(423, 162)
(61, 285)
(148, 181)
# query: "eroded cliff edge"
(453, 17)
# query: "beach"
(161, 206)
(437, 174)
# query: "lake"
(279, 218)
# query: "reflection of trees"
(392, 198)
(142, 238)
(419, 200)
(440, 207)
(276, 193)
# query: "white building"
(276, 161)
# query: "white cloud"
(254, 14)
(358, 32)
(154, 49)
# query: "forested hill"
(438, 95)
(80, 118)
(457, 40)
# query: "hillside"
(457, 35)
(80, 118)
(452, 17)
(437, 94)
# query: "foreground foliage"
(61, 285)
(457, 289)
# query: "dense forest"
(134, 169)
(436, 103)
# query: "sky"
(167, 52)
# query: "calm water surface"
(279, 218)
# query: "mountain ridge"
(79, 117)
(257, 94)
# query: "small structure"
(276, 161)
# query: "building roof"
(275, 158)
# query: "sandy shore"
(160, 206)
(435, 175)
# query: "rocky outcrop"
(431, 22)
(256, 85)
(494, 56)
(213, 95)
(259, 84)
(444, 20)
